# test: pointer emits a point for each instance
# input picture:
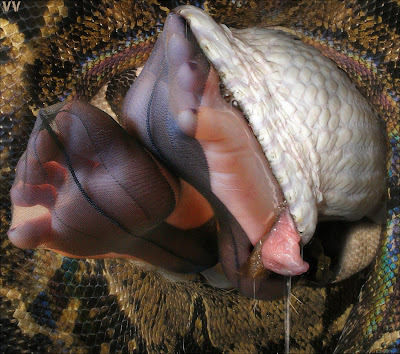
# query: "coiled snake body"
(58, 49)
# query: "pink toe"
(31, 232)
(26, 195)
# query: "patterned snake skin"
(53, 50)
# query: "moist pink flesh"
(239, 172)
(281, 249)
(242, 179)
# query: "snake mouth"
(308, 118)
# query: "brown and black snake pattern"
(55, 50)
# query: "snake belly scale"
(52, 50)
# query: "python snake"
(50, 303)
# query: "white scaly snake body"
(318, 132)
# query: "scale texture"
(57, 50)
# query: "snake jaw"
(309, 118)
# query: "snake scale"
(55, 49)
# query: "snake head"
(311, 142)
